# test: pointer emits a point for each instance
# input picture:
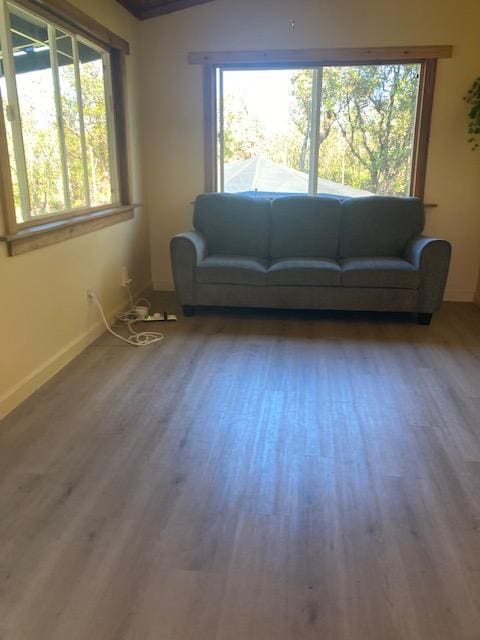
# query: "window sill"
(43, 235)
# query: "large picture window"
(345, 131)
(62, 119)
(335, 130)
(345, 122)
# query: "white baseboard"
(20, 391)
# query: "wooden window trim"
(48, 233)
(7, 206)
(49, 229)
(426, 56)
(422, 127)
(42, 220)
(69, 17)
(210, 143)
(318, 57)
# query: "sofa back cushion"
(233, 225)
(305, 227)
(379, 226)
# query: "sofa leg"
(188, 310)
(424, 318)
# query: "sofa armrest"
(431, 256)
(186, 251)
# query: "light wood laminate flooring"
(257, 476)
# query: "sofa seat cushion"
(321, 272)
(225, 269)
(391, 273)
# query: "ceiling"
(144, 9)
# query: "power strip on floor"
(160, 317)
(129, 318)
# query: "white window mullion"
(13, 110)
(59, 114)
(221, 132)
(112, 144)
(83, 141)
(315, 130)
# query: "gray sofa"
(306, 252)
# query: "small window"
(56, 89)
(335, 130)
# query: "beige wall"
(45, 319)
(477, 294)
(172, 99)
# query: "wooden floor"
(257, 476)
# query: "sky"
(267, 92)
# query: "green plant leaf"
(472, 97)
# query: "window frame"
(49, 228)
(425, 56)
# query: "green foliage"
(301, 114)
(71, 125)
(42, 152)
(95, 120)
(42, 141)
(96, 134)
(244, 137)
(373, 111)
(43, 168)
(473, 98)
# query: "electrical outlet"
(126, 280)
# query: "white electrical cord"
(137, 338)
(130, 297)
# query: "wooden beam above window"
(312, 57)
